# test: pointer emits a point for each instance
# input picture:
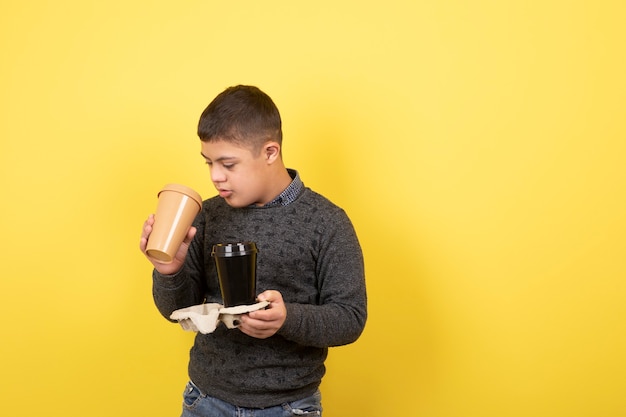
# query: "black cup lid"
(233, 249)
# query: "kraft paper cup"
(177, 208)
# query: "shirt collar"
(290, 193)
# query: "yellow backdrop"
(478, 146)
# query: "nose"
(217, 174)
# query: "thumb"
(191, 233)
(271, 296)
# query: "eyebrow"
(221, 158)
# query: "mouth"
(224, 193)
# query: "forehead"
(220, 149)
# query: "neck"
(282, 178)
(279, 180)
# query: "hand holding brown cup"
(177, 208)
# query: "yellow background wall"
(478, 146)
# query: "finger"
(147, 226)
(145, 232)
(271, 296)
(149, 221)
(256, 327)
(268, 314)
(191, 233)
(265, 296)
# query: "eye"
(228, 166)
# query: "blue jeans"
(197, 404)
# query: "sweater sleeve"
(340, 315)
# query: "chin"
(235, 203)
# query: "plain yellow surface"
(478, 146)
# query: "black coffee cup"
(236, 271)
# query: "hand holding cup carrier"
(236, 262)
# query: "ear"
(271, 152)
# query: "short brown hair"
(242, 114)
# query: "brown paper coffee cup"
(177, 208)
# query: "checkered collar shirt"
(290, 193)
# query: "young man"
(309, 269)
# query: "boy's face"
(239, 176)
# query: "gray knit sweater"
(307, 250)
